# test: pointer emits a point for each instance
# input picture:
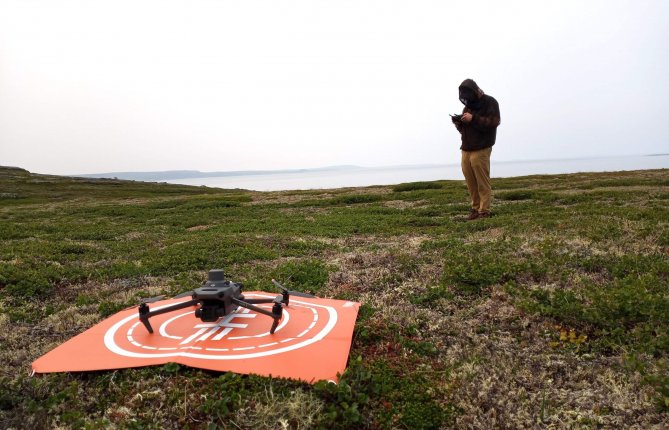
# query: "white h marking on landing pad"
(208, 329)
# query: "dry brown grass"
(502, 369)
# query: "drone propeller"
(291, 292)
(184, 294)
(153, 299)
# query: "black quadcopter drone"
(219, 297)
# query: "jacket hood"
(468, 92)
(469, 83)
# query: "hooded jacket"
(481, 132)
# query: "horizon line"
(339, 166)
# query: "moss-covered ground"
(552, 313)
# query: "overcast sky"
(100, 86)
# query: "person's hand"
(466, 117)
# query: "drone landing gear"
(145, 313)
(210, 312)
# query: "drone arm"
(145, 313)
(257, 301)
(248, 305)
(276, 313)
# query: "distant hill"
(13, 169)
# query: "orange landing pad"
(311, 343)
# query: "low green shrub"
(411, 186)
(373, 394)
(629, 312)
(307, 275)
(514, 195)
(473, 267)
(352, 199)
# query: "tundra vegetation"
(552, 313)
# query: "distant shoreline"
(364, 177)
(174, 175)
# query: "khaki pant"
(476, 168)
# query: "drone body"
(219, 297)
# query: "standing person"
(478, 128)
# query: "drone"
(219, 297)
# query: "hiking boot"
(483, 215)
(473, 214)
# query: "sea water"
(360, 177)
